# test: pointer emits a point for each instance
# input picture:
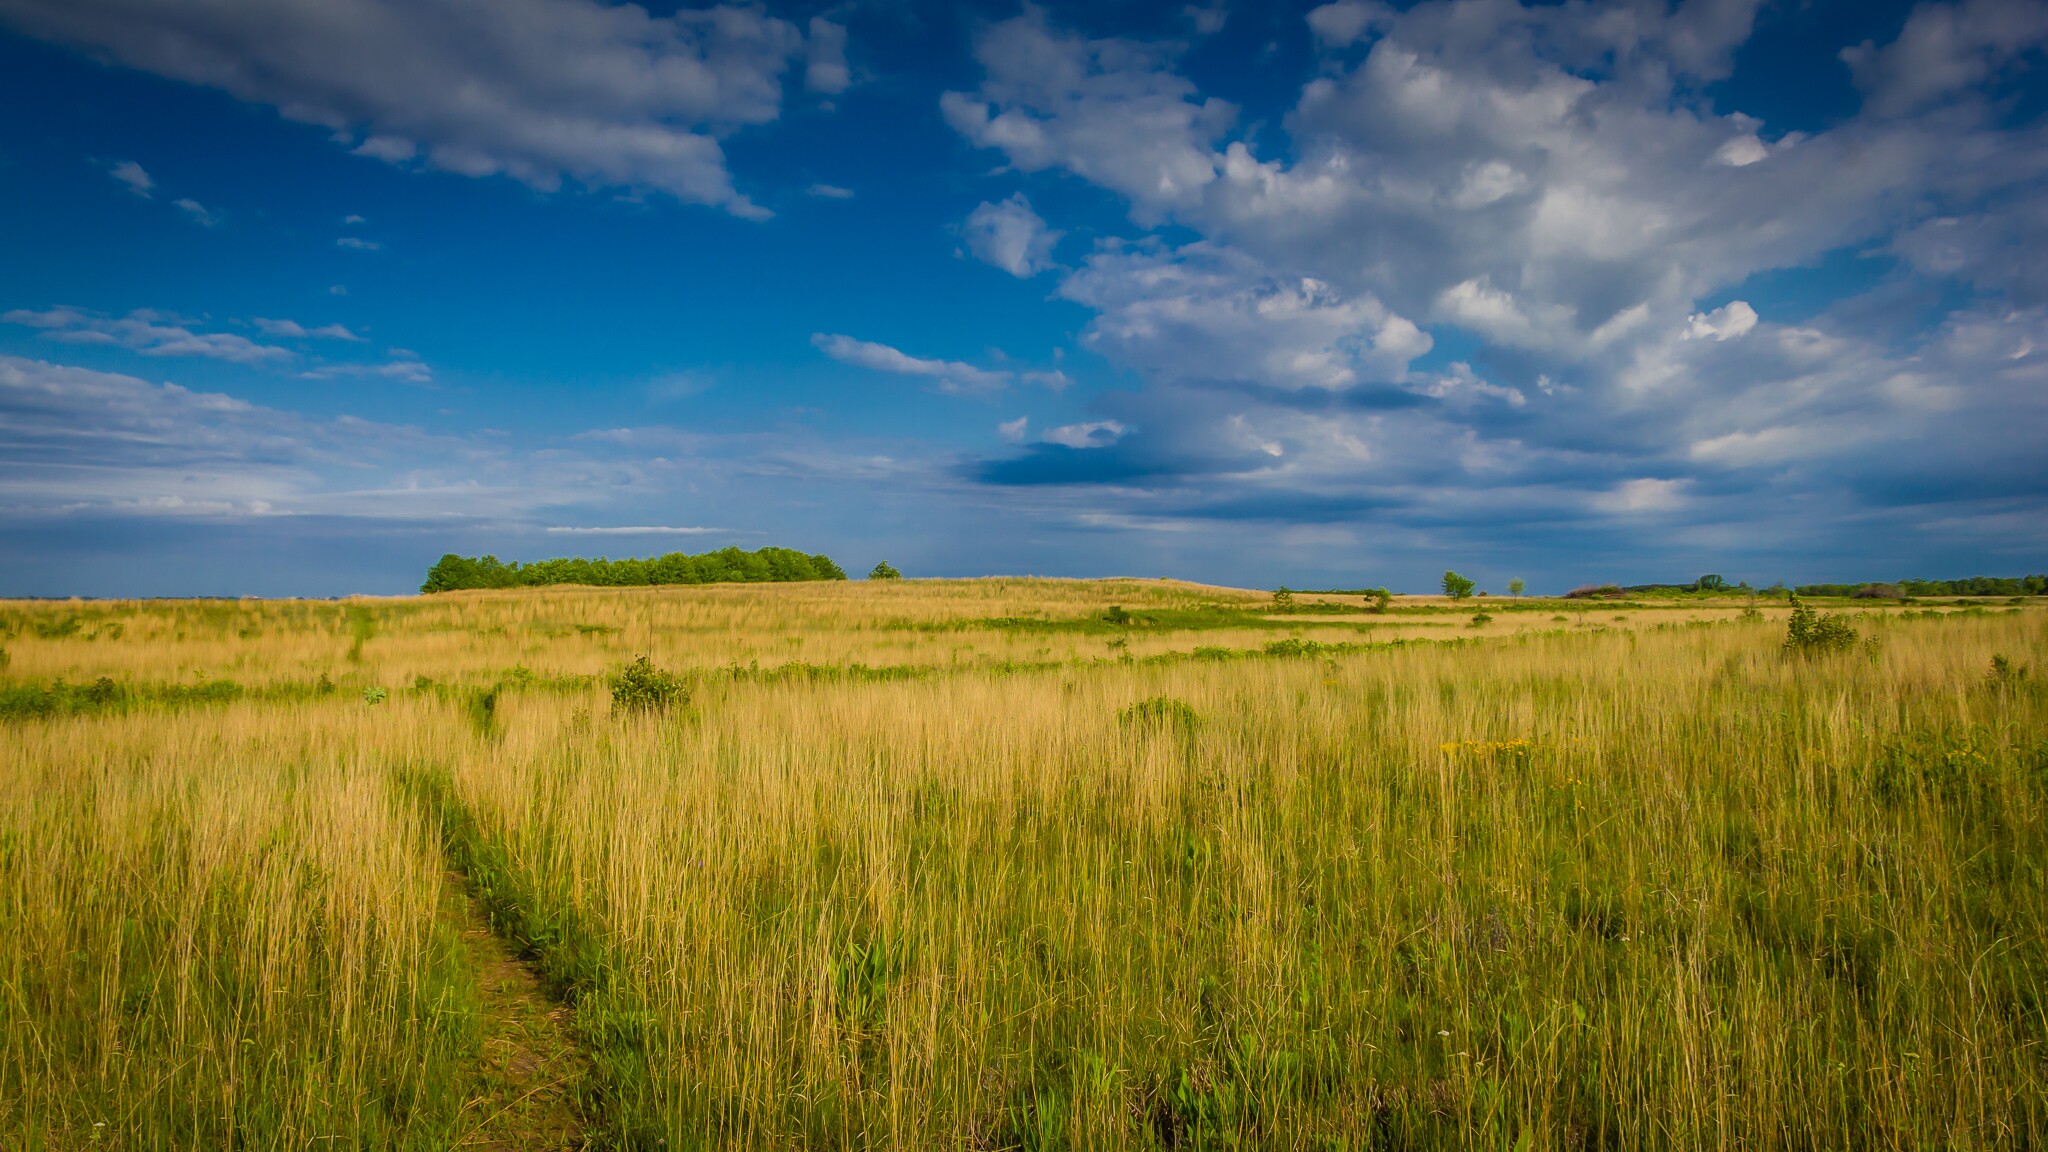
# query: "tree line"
(725, 566)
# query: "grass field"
(1020, 864)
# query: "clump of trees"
(725, 566)
(1457, 587)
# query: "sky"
(297, 296)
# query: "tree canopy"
(727, 565)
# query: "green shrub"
(1809, 631)
(375, 695)
(1163, 711)
(2005, 674)
(1480, 620)
(1516, 585)
(884, 571)
(641, 687)
(1377, 600)
(1457, 587)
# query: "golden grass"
(1572, 885)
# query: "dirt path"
(525, 1092)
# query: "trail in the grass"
(526, 1091)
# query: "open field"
(1020, 864)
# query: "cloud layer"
(539, 90)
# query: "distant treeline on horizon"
(725, 566)
(1968, 586)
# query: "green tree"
(1709, 583)
(1283, 599)
(884, 571)
(1516, 585)
(1377, 599)
(1457, 587)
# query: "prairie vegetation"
(1023, 864)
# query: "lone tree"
(1515, 586)
(884, 571)
(1457, 587)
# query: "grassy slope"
(1591, 884)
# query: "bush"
(1810, 631)
(1457, 587)
(1516, 585)
(1480, 620)
(1161, 711)
(1377, 599)
(641, 687)
(884, 571)
(1596, 592)
(1283, 599)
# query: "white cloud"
(539, 90)
(150, 333)
(199, 213)
(131, 174)
(1730, 320)
(292, 329)
(352, 218)
(1011, 236)
(829, 192)
(1945, 49)
(1204, 312)
(1111, 111)
(1014, 431)
(825, 70)
(358, 244)
(952, 376)
(1093, 434)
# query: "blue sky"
(295, 297)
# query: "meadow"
(1021, 864)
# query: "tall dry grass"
(1654, 888)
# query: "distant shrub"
(1293, 646)
(1283, 599)
(1480, 620)
(1161, 711)
(1596, 592)
(1516, 585)
(1809, 631)
(375, 695)
(883, 570)
(641, 687)
(1377, 600)
(1880, 592)
(2005, 674)
(1457, 587)
(1117, 615)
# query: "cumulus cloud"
(829, 192)
(1210, 313)
(1014, 431)
(951, 376)
(145, 331)
(1945, 49)
(1111, 111)
(1092, 434)
(539, 90)
(1011, 236)
(1724, 323)
(1547, 180)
